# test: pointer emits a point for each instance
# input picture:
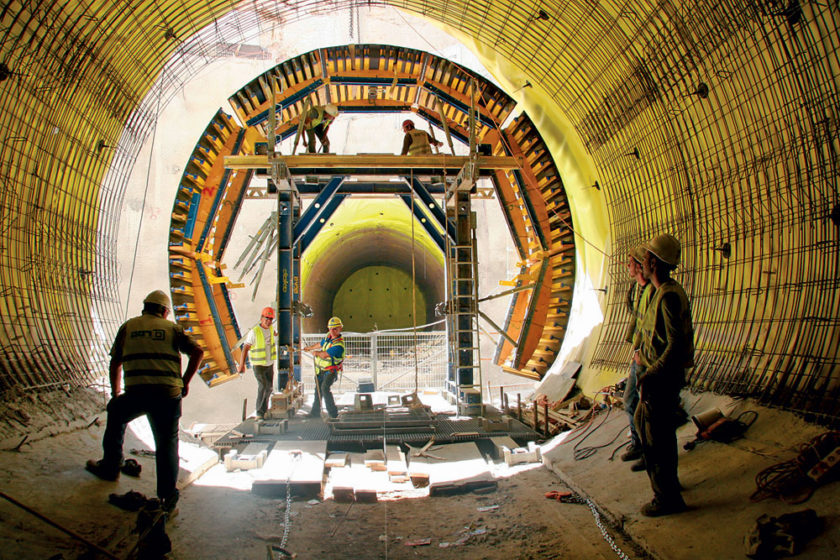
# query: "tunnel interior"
(715, 121)
(373, 276)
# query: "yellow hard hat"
(158, 297)
(334, 322)
(666, 247)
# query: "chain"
(287, 518)
(607, 537)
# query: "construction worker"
(638, 298)
(329, 355)
(147, 351)
(666, 351)
(417, 142)
(316, 123)
(259, 344)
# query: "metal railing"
(387, 360)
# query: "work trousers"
(324, 379)
(631, 401)
(321, 132)
(656, 421)
(163, 415)
(265, 380)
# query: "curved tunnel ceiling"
(715, 120)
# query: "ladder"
(464, 383)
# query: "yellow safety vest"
(330, 364)
(257, 351)
(419, 143)
(149, 355)
(319, 118)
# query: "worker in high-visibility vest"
(147, 353)
(417, 142)
(329, 356)
(665, 353)
(260, 346)
(316, 123)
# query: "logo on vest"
(154, 334)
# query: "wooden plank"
(395, 464)
(375, 459)
(297, 463)
(325, 161)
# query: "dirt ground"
(215, 522)
(224, 520)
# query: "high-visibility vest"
(149, 355)
(652, 338)
(257, 352)
(330, 364)
(321, 111)
(419, 143)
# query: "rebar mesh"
(752, 162)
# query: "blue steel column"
(296, 327)
(285, 282)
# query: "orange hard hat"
(408, 122)
(268, 312)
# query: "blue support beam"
(288, 101)
(432, 206)
(214, 311)
(326, 214)
(285, 281)
(314, 209)
(420, 216)
(464, 108)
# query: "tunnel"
(715, 121)
(717, 124)
(374, 276)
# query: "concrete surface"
(718, 480)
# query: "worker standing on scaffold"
(329, 355)
(417, 142)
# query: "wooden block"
(272, 426)
(519, 455)
(501, 424)
(375, 460)
(500, 443)
(395, 463)
(252, 457)
(336, 461)
(355, 481)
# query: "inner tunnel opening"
(370, 271)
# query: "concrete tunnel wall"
(372, 258)
(714, 120)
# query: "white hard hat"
(158, 297)
(331, 109)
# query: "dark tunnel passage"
(366, 278)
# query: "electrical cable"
(413, 218)
(142, 207)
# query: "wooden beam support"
(383, 161)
